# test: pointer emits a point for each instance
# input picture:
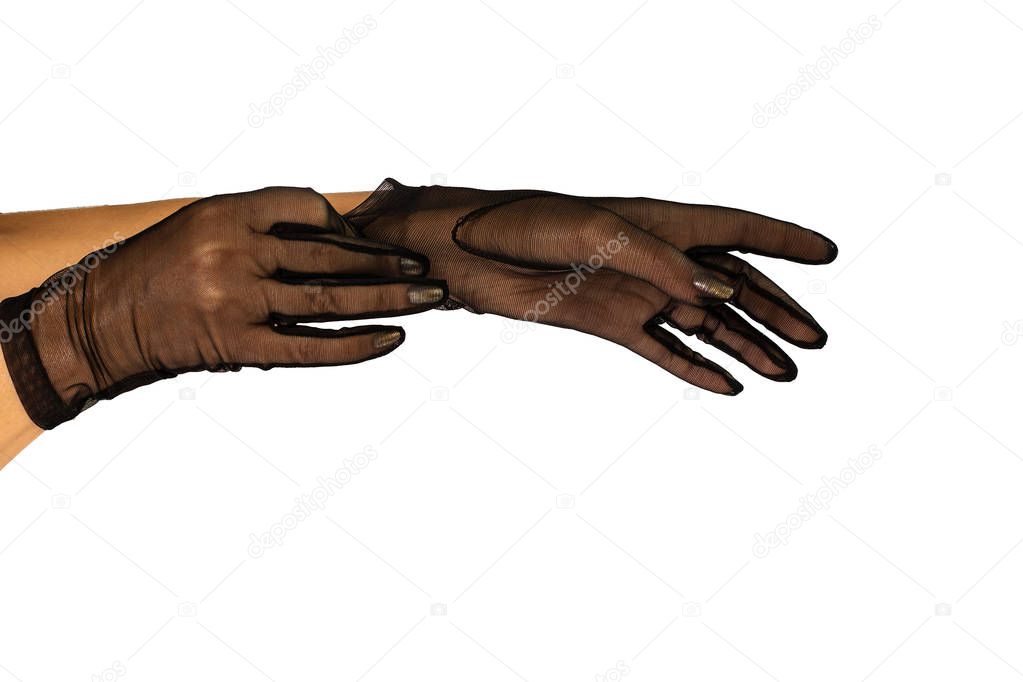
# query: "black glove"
(221, 284)
(616, 268)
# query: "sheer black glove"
(615, 267)
(221, 284)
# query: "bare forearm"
(16, 429)
(34, 245)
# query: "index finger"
(717, 228)
(556, 231)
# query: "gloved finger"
(612, 306)
(665, 349)
(723, 328)
(554, 231)
(766, 302)
(290, 346)
(266, 207)
(306, 249)
(689, 226)
(325, 299)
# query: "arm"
(16, 430)
(34, 245)
(619, 268)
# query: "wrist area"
(54, 338)
(389, 197)
(43, 405)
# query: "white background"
(124, 535)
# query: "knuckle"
(709, 326)
(214, 211)
(313, 299)
(211, 266)
(306, 196)
(385, 297)
(212, 297)
(328, 300)
(317, 298)
(711, 322)
(332, 257)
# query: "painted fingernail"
(712, 286)
(386, 339)
(410, 266)
(419, 294)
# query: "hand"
(224, 283)
(616, 268)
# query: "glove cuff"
(390, 196)
(40, 400)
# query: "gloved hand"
(616, 268)
(221, 284)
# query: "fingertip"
(735, 387)
(817, 340)
(820, 342)
(830, 249)
(389, 340)
(786, 369)
(788, 373)
(732, 385)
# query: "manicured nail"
(410, 266)
(424, 293)
(712, 286)
(386, 339)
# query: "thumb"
(560, 232)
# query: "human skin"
(36, 244)
(677, 272)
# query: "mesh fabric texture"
(618, 268)
(224, 283)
